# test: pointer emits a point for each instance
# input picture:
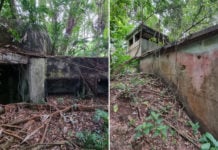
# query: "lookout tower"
(144, 38)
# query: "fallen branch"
(37, 106)
(45, 132)
(31, 134)
(73, 107)
(24, 120)
(186, 137)
(46, 145)
(10, 126)
(12, 134)
(89, 108)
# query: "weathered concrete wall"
(135, 49)
(77, 75)
(141, 46)
(55, 75)
(7, 57)
(36, 79)
(192, 68)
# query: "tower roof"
(148, 33)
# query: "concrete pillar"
(36, 79)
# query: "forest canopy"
(77, 28)
(174, 18)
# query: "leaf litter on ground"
(50, 125)
(140, 97)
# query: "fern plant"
(95, 140)
(90, 140)
(101, 115)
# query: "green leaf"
(164, 132)
(158, 121)
(212, 139)
(156, 133)
(154, 115)
(205, 146)
(203, 139)
(147, 131)
(115, 108)
(137, 135)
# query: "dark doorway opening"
(102, 87)
(11, 78)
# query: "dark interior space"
(59, 86)
(130, 41)
(137, 36)
(9, 83)
(76, 87)
(102, 87)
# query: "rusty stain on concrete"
(197, 67)
(192, 68)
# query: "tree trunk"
(69, 28)
(13, 9)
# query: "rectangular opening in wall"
(130, 41)
(137, 36)
(102, 86)
(13, 84)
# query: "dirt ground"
(52, 125)
(135, 99)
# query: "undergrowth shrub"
(95, 140)
(153, 125)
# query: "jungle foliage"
(77, 28)
(175, 18)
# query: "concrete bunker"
(190, 66)
(31, 77)
(77, 76)
(28, 73)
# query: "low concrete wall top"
(191, 66)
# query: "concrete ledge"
(12, 58)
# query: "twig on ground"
(12, 134)
(156, 93)
(46, 145)
(10, 126)
(31, 134)
(186, 137)
(46, 129)
(74, 107)
(139, 113)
